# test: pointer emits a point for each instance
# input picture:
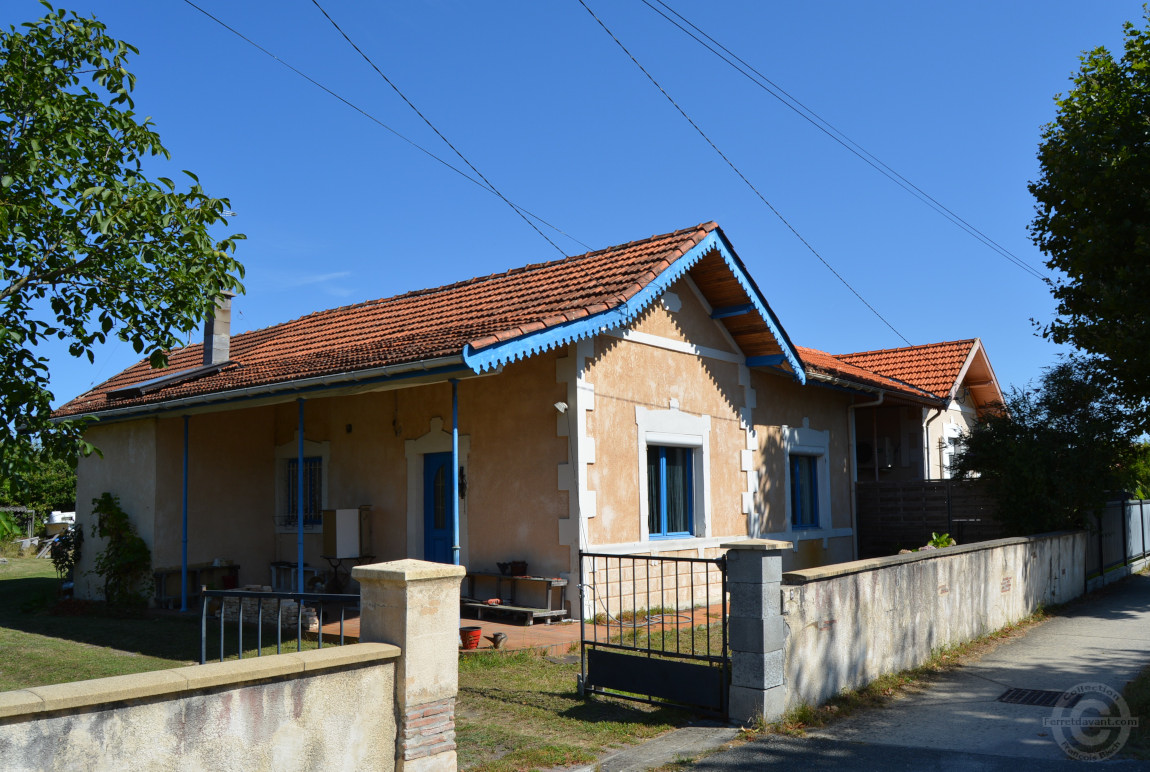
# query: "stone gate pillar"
(755, 629)
(414, 605)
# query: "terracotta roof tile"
(933, 368)
(415, 326)
(830, 364)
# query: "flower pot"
(469, 637)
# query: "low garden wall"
(387, 703)
(848, 623)
(332, 708)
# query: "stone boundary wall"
(328, 709)
(848, 623)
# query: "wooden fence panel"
(903, 515)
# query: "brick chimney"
(218, 331)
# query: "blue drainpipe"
(299, 501)
(454, 471)
(184, 546)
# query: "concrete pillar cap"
(407, 570)
(762, 545)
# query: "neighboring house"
(642, 398)
(907, 437)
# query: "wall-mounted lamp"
(561, 407)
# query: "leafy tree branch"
(90, 246)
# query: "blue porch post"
(299, 501)
(454, 471)
(184, 543)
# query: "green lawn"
(516, 711)
(37, 647)
(521, 711)
(45, 642)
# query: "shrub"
(126, 562)
(65, 552)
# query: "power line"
(743, 177)
(377, 121)
(431, 125)
(800, 109)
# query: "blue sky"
(337, 210)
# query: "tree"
(1093, 216)
(48, 484)
(89, 245)
(1054, 454)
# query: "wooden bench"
(473, 602)
(168, 581)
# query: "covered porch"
(434, 464)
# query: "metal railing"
(302, 600)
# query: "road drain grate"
(1039, 697)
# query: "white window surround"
(675, 428)
(951, 432)
(287, 452)
(804, 441)
(436, 440)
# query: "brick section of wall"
(428, 729)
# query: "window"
(806, 479)
(804, 491)
(670, 491)
(312, 492)
(672, 465)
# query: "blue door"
(437, 507)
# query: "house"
(927, 397)
(637, 399)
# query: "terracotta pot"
(469, 637)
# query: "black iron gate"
(654, 629)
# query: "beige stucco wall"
(328, 709)
(841, 632)
(631, 374)
(783, 405)
(126, 468)
(514, 503)
(229, 472)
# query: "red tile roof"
(417, 326)
(933, 368)
(821, 362)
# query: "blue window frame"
(312, 491)
(670, 491)
(804, 491)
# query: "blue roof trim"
(765, 312)
(528, 345)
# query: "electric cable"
(431, 125)
(743, 177)
(823, 125)
(376, 121)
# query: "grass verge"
(520, 711)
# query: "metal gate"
(654, 629)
